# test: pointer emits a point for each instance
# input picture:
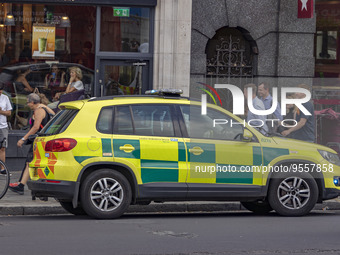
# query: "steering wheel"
(208, 134)
(238, 135)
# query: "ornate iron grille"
(231, 60)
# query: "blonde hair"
(78, 72)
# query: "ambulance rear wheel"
(105, 194)
(68, 206)
(258, 207)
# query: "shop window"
(128, 32)
(38, 45)
(326, 49)
(326, 45)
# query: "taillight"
(59, 145)
(50, 181)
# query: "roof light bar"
(165, 92)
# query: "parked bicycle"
(4, 179)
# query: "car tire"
(68, 206)
(258, 207)
(105, 194)
(293, 194)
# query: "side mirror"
(247, 135)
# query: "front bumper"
(61, 190)
(330, 193)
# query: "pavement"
(15, 204)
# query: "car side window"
(123, 121)
(202, 126)
(152, 120)
(104, 122)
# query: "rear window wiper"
(43, 134)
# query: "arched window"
(231, 54)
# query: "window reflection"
(125, 34)
(26, 65)
(326, 45)
(71, 44)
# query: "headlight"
(330, 157)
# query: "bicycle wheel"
(4, 179)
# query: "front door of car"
(219, 161)
(147, 138)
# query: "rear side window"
(145, 120)
(59, 123)
(104, 123)
(153, 120)
(123, 122)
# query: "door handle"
(128, 148)
(196, 150)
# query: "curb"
(152, 208)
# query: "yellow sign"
(43, 41)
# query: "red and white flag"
(305, 9)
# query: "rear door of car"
(147, 138)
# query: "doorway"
(119, 77)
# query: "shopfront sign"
(43, 41)
(121, 12)
(305, 9)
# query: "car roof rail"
(165, 92)
(162, 93)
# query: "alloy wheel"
(293, 192)
(106, 194)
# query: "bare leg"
(3, 155)
(25, 176)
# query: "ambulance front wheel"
(293, 194)
(105, 194)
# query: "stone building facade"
(281, 44)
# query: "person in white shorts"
(5, 111)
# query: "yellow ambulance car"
(99, 155)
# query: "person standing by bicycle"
(5, 111)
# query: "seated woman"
(21, 83)
(55, 79)
(74, 84)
